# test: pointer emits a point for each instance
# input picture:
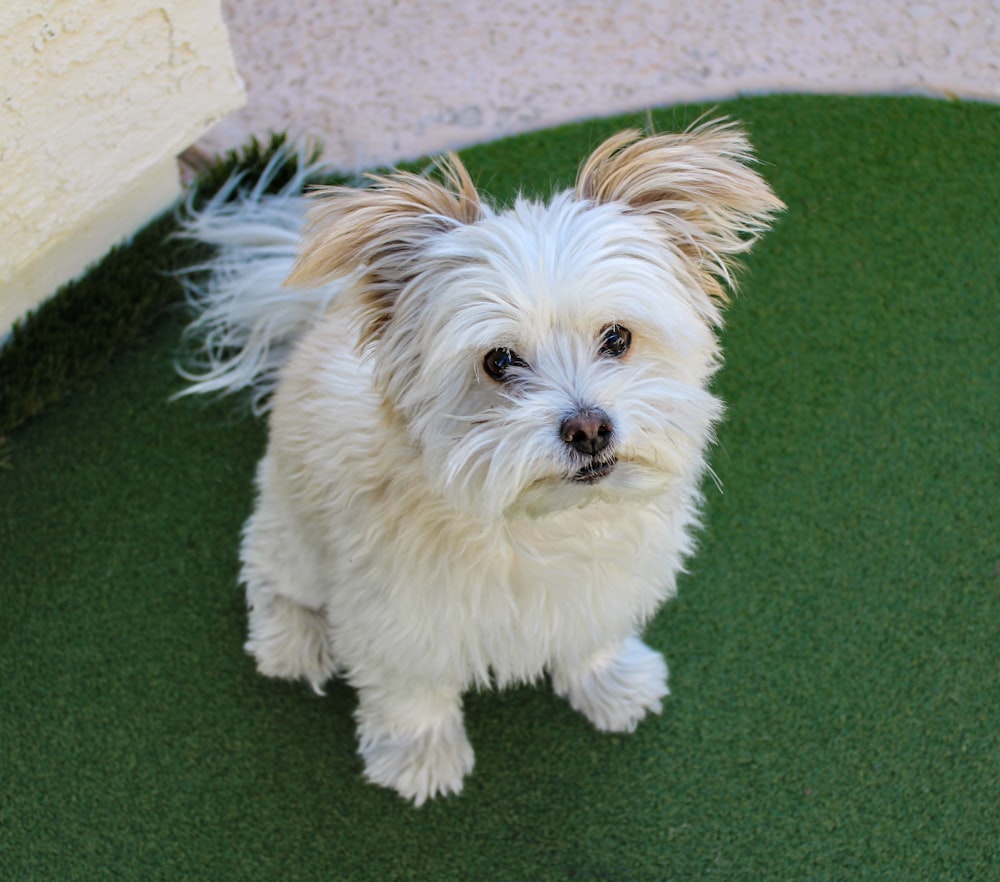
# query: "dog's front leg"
(616, 688)
(412, 738)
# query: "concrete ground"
(384, 80)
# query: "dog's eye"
(615, 341)
(497, 361)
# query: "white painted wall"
(97, 98)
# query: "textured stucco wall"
(381, 80)
(97, 97)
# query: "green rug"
(834, 652)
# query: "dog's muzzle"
(591, 474)
(589, 433)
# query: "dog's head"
(550, 354)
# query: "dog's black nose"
(588, 431)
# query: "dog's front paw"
(617, 690)
(431, 762)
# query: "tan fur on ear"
(697, 185)
(381, 231)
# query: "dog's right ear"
(381, 231)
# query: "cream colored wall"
(97, 98)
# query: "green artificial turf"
(834, 652)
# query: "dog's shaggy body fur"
(487, 431)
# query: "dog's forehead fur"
(520, 274)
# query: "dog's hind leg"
(289, 640)
(284, 578)
(616, 689)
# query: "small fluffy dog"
(488, 428)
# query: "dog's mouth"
(595, 471)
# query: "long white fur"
(419, 529)
(245, 319)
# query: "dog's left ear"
(380, 232)
(697, 186)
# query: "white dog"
(488, 428)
